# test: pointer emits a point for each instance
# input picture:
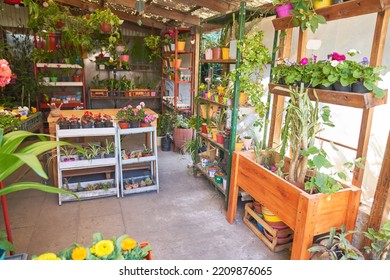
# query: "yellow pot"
(225, 53)
(214, 134)
(238, 146)
(243, 98)
(318, 4)
(181, 45)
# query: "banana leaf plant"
(13, 156)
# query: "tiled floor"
(184, 221)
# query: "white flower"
(334, 63)
(353, 52)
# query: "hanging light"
(140, 6)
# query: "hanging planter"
(284, 10)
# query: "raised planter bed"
(307, 215)
(87, 194)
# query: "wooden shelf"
(212, 102)
(347, 9)
(350, 99)
(64, 84)
(123, 97)
(212, 180)
(222, 61)
(215, 143)
(58, 65)
(64, 105)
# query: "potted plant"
(107, 21)
(147, 152)
(68, 153)
(335, 246)
(153, 43)
(98, 120)
(107, 120)
(148, 181)
(108, 149)
(182, 132)
(63, 122)
(87, 119)
(181, 41)
(123, 115)
(74, 122)
(304, 15)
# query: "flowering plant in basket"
(122, 248)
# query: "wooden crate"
(273, 246)
(98, 92)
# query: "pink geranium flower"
(5, 73)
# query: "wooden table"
(78, 113)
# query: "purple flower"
(314, 58)
(304, 61)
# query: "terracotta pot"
(149, 256)
(52, 42)
(142, 124)
(125, 58)
(217, 53)
(123, 124)
(76, 78)
(180, 136)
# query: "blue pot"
(260, 226)
(2, 254)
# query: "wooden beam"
(378, 44)
(380, 207)
(122, 15)
(153, 9)
(218, 6)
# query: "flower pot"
(359, 87)
(225, 53)
(226, 143)
(105, 27)
(218, 177)
(53, 79)
(87, 125)
(134, 124)
(125, 58)
(238, 146)
(181, 45)
(108, 124)
(142, 124)
(178, 63)
(247, 143)
(208, 54)
(123, 124)
(55, 112)
(46, 79)
(257, 207)
(326, 87)
(217, 53)
(318, 4)
(284, 10)
(339, 87)
(165, 144)
(74, 125)
(52, 42)
(220, 138)
(76, 78)
(172, 47)
(243, 98)
(99, 125)
(64, 126)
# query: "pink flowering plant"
(149, 118)
(5, 73)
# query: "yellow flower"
(79, 253)
(128, 244)
(22, 118)
(103, 248)
(33, 109)
(47, 257)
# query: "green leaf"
(321, 161)
(342, 175)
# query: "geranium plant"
(5, 73)
(122, 248)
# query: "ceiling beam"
(171, 14)
(218, 6)
(122, 15)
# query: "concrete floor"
(184, 221)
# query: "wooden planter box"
(99, 92)
(307, 215)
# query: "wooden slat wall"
(13, 17)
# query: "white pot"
(208, 54)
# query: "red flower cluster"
(336, 56)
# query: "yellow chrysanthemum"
(128, 244)
(104, 248)
(22, 118)
(79, 253)
(47, 257)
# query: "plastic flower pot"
(208, 54)
(220, 138)
(318, 4)
(225, 53)
(181, 45)
(217, 53)
(125, 58)
(123, 124)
